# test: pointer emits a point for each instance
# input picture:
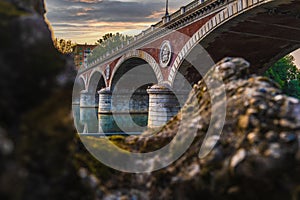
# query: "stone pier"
(104, 101)
(163, 105)
(88, 118)
(122, 110)
(87, 99)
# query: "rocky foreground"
(256, 157)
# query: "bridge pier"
(163, 105)
(87, 99)
(121, 111)
(104, 101)
(88, 118)
(76, 102)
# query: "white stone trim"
(83, 77)
(95, 70)
(142, 55)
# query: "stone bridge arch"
(79, 85)
(134, 72)
(95, 82)
(140, 55)
(226, 19)
(95, 76)
(83, 79)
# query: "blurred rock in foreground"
(256, 157)
(37, 137)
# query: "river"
(88, 122)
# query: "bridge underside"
(262, 35)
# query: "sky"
(86, 21)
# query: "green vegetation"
(63, 46)
(287, 75)
(108, 42)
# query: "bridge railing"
(193, 4)
(148, 32)
(175, 14)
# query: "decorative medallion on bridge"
(165, 54)
(107, 72)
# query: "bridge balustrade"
(152, 32)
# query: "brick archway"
(96, 70)
(142, 55)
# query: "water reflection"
(89, 122)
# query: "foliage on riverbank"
(287, 75)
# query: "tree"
(287, 75)
(107, 43)
(63, 46)
(104, 38)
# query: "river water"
(88, 122)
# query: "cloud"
(104, 14)
(108, 11)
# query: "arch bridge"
(170, 56)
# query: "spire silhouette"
(167, 8)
